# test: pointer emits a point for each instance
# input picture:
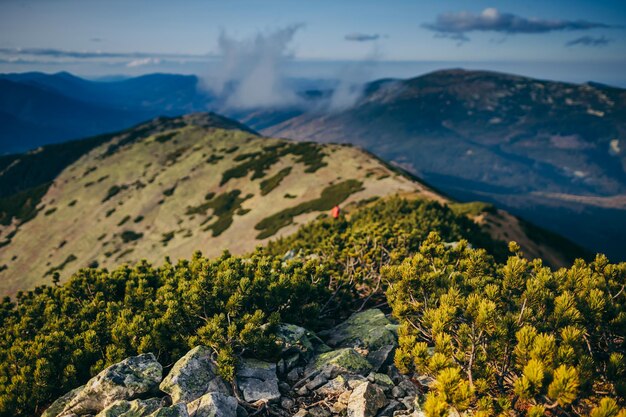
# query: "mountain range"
(550, 152)
(172, 186)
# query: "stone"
(135, 408)
(316, 382)
(192, 376)
(397, 392)
(339, 361)
(369, 329)
(381, 358)
(177, 410)
(366, 400)
(303, 391)
(382, 380)
(390, 409)
(296, 339)
(257, 380)
(213, 404)
(284, 387)
(126, 380)
(287, 403)
(59, 405)
(301, 413)
(319, 411)
(409, 402)
(408, 387)
(333, 387)
(426, 381)
(294, 375)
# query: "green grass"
(112, 192)
(309, 154)
(271, 183)
(61, 266)
(130, 236)
(224, 207)
(331, 196)
(165, 137)
(23, 205)
(473, 208)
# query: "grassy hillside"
(178, 185)
(175, 185)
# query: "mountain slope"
(531, 146)
(38, 109)
(199, 182)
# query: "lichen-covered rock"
(213, 404)
(192, 376)
(59, 405)
(257, 380)
(366, 400)
(126, 380)
(369, 329)
(382, 380)
(340, 361)
(177, 410)
(135, 408)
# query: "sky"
(569, 40)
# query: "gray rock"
(257, 380)
(366, 400)
(382, 380)
(126, 380)
(381, 358)
(390, 409)
(294, 375)
(284, 387)
(287, 403)
(296, 339)
(59, 405)
(303, 391)
(213, 404)
(317, 382)
(369, 329)
(397, 392)
(333, 387)
(409, 402)
(301, 413)
(319, 411)
(408, 387)
(426, 381)
(192, 376)
(339, 361)
(135, 408)
(177, 410)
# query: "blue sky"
(571, 40)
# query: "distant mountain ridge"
(38, 109)
(541, 149)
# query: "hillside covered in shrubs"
(497, 333)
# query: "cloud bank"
(362, 37)
(251, 72)
(589, 41)
(456, 25)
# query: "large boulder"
(340, 361)
(59, 405)
(366, 400)
(192, 376)
(369, 329)
(135, 408)
(213, 404)
(257, 380)
(126, 380)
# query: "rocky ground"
(347, 370)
